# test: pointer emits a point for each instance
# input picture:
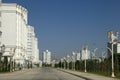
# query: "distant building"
(47, 57)
(32, 45)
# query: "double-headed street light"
(113, 39)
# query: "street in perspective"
(39, 74)
(59, 40)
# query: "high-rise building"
(13, 20)
(47, 57)
(16, 33)
(32, 45)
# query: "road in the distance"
(39, 74)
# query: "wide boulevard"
(38, 74)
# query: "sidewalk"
(88, 76)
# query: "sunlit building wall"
(46, 57)
(32, 45)
(17, 33)
(13, 20)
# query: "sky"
(63, 26)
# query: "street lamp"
(74, 59)
(85, 48)
(64, 62)
(61, 62)
(112, 39)
(94, 51)
(68, 61)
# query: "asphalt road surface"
(39, 74)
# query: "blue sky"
(65, 25)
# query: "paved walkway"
(88, 76)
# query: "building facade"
(47, 57)
(32, 45)
(15, 33)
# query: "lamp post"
(112, 39)
(64, 62)
(94, 53)
(74, 59)
(61, 62)
(85, 48)
(68, 61)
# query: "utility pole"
(113, 40)
(85, 48)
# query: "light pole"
(61, 62)
(68, 61)
(93, 55)
(85, 48)
(74, 59)
(112, 39)
(64, 62)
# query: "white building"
(32, 45)
(46, 57)
(36, 51)
(13, 20)
(15, 30)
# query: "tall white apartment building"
(13, 21)
(36, 51)
(46, 57)
(30, 39)
(16, 33)
(32, 45)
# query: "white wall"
(14, 29)
(47, 57)
(17, 32)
